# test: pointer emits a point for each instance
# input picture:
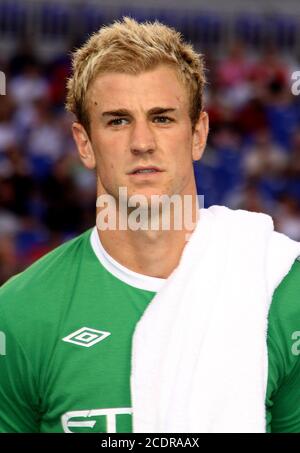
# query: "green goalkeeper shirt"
(66, 325)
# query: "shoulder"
(45, 276)
(283, 391)
(284, 323)
(286, 301)
(33, 305)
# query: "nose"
(142, 138)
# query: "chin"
(148, 194)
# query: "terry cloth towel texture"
(199, 352)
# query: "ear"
(84, 146)
(200, 136)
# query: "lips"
(145, 170)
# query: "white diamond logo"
(86, 337)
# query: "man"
(68, 320)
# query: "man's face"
(142, 122)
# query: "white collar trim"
(121, 272)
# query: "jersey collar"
(121, 272)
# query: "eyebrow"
(153, 111)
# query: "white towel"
(199, 357)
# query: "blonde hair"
(130, 47)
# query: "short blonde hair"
(130, 47)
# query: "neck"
(155, 253)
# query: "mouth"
(145, 171)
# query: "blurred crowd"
(252, 160)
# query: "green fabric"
(283, 391)
(50, 385)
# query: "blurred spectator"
(287, 216)
(7, 129)
(62, 198)
(228, 170)
(293, 167)
(252, 118)
(264, 157)
(292, 174)
(282, 111)
(268, 68)
(220, 112)
(233, 75)
(29, 85)
(250, 198)
(59, 71)
(45, 140)
(8, 258)
(234, 69)
(24, 56)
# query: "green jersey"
(66, 326)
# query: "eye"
(162, 119)
(117, 122)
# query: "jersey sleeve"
(283, 393)
(18, 391)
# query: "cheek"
(107, 170)
(182, 160)
(182, 147)
(110, 151)
(103, 152)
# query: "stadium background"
(252, 160)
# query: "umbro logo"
(86, 337)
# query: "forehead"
(159, 86)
